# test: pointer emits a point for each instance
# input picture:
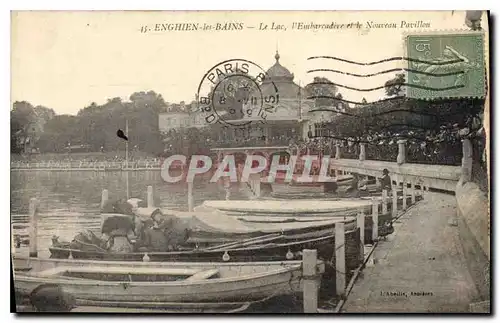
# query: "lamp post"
(126, 160)
(126, 145)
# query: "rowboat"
(217, 227)
(269, 248)
(295, 186)
(302, 208)
(213, 236)
(188, 286)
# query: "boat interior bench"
(206, 274)
(187, 274)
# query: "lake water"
(69, 201)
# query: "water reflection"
(69, 201)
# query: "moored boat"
(303, 207)
(274, 248)
(212, 236)
(295, 186)
(217, 227)
(162, 285)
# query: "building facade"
(291, 119)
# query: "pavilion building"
(289, 119)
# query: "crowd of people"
(253, 142)
(443, 146)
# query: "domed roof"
(278, 71)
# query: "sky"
(65, 60)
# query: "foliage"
(94, 125)
(394, 87)
(321, 86)
(26, 122)
(191, 141)
(404, 114)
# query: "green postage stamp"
(446, 65)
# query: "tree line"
(94, 126)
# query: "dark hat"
(385, 171)
(156, 212)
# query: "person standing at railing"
(385, 180)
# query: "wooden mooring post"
(375, 220)
(413, 197)
(384, 202)
(190, 197)
(405, 189)
(360, 223)
(310, 284)
(394, 202)
(256, 185)
(422, 189)
(340, 268)
(150, 197)
(104, 198)
(104, 201)
(33, 230)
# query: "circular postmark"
(236, 92)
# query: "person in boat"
(155, 238)
(177, 231)
(166, 233)
(85, 240)
(118, 229)
(385, 180)
(51, 298)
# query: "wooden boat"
(241, 240)
(272, 247)
(188, 286)
(280, 187)
(217, 227)
(303, 207)
(211, 234)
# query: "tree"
(323, 87)
(149, 100)
(394, 87)
(58, 132)
(22, 118)
(44, 114)
(94, 125)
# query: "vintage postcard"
(250, 161)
